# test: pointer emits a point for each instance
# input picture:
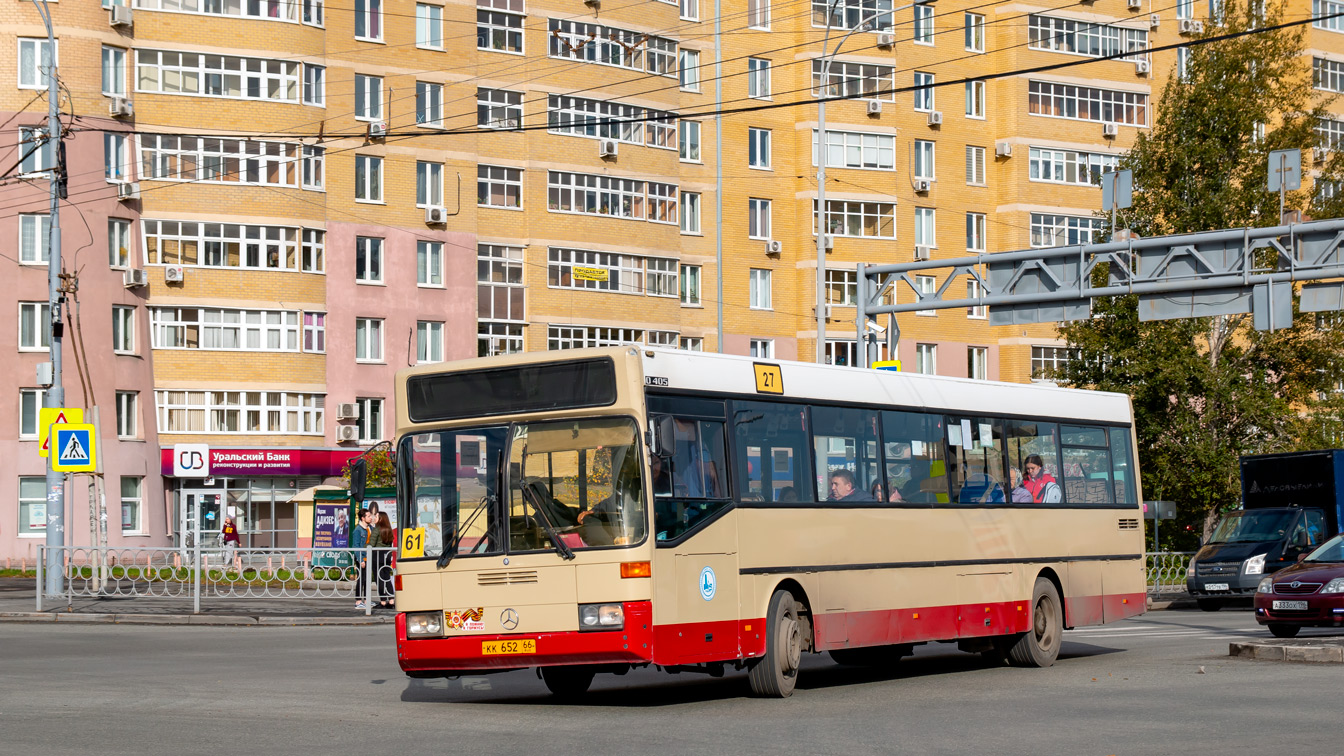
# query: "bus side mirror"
(359, 476)
(664, 436)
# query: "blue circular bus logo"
(708, 583)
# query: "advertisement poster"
(331, 525)
(387, 506)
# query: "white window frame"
(688, 70)
(31, 401)
(975, 99)
(926, 359)
(38, 336)
(926, 227)
(224, 329)
(926, 285)
(858, 150)
(369, 14)
(114, 71)
(314, 85)
(842, 287)
(509, 179)
(1071, 102)
(136, 502)
(368, 97)
(762, 349)
(120, 249)
(34, 238)
(429, 264)
(428, 184)
(758, 17)
(428, 18)
(370, 414)
(855, 218)
(428, 105)
(502, 21)
(923, 24)
(689, 285)
(758, 148)
(371, 349)
(689, 213)
(758, 78)
(314, 333)
(123, 329)
(976, 228)
(975, 166)
(758, 218)
(428, 341)
(977, 363)
(233, 77)
(369, 179)
(924, 162)
(924, 91)
(975, 32)
(689, 10)
(691, 343)
(128, 420)
(1072, 167)
(116, 158)
(34, 163)
(198, 411)
(975, 312)
(759, 285)
(499, 108)
(35, 78)
(688, 141)
(372, 272)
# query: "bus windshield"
(578, 479)
(1251, 525)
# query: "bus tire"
(774, 674)
(567, 682)
(1039, 646)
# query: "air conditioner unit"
(828, 241)
(347, 411)
(1135, 4)
(378, 129)
(886, 40)
(607, 147)
(1110, 129)
(1142, 67)
(120, 106)
(923, 185)
(1190, 26)
(773, 247)
(347, 433)
(174, 274)
(1154, 20)
(434, 214)
(1319, 154)
(120, 16)
(936, 118)
(129, 190)
(874, 107)
(922, 252)
(135, 277)
(1003, 150)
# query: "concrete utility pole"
(55, 396)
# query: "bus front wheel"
(1039, 646)
(567, 682)
(775, 674)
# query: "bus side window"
(975, 446)
(845, 449)
(1086, 458)
(914, 458)
(1122, 467)
(1033, 462)
(770, 455)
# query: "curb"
(190, 619)
(1279, 651)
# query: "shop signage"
(200, 461)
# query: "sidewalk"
(18, 602)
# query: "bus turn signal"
(635, 570)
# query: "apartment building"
(296, 198)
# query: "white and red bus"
(595, 510)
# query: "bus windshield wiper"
(534, 499)
(489, 501)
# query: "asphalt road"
(1158, 684)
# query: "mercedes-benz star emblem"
(509, 619)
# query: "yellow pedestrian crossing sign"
(49, 416)
(75, 448)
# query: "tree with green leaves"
(1208, 390)
(382, 472)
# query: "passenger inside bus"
(843, 487)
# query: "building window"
(314, 84)
(973, 291)
(925, 235)
(604, 119)
(369, 20)
(123, 329)
(315, 332)
(428, 184)
(368, 178)
(688, 142)
(34, 63)
(975, 99)
(250, 412)
(34, 327)
(844, 79)
(690, 286)
(1050, 230)
(758, 14)
(876, 220)
(114, 157)
(500, 293)
(926, 285)
(1048, 361)
(368, 340)
(313, 251)
(226, 161)
(660, 277)
(975, 32)
(580, 337)
(1082, 38)
(368, 259)
(977, 363)
(758, 218)
(36, 151)
(224, 329)
(611, 46)
(597, 271)
(923, 24)
(855, 149)
(118, 243)
(497, 186)
(926, 359)
(690, 212)
(1052, 100)
(499, 108)
(842, 287)
(1070, 166)
(428, 104)
(975, 165)
(688, 70)
(499, 25)
(232, 245)
(132, 496)
(370, 420)
(923, 90)
(1183, 63)
(114, 71)
(127, 426)
(368, 97)
(207, 75)
(763, 349)
(428, 342)
(758, 78)
(924, 164)
(34, 239)
(30, 406)
(691, 343)
(429, 263)
(498, 338)
(32, 506)
(760, 289)
(313, 158)
(429, 26)
(690, 10)
(758, 148)
(312, 12)
(975, 232)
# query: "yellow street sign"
(74, 448)
(49, 416)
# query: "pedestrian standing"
(359, 539)
(382, 558)
(229, 536)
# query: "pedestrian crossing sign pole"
(74, 448)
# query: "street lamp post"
(826, 59)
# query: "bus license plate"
(1215, 586)
(496, 648)
(1292, 606)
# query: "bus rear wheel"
(567, 682)
(775, 674)
(1039, 646)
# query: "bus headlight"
(601, 617)
(1255, 565)
(424, 624)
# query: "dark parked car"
(1307, 594)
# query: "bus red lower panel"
(633, 644)
(695, 642)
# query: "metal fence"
(204, 574)
(1166, 571)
